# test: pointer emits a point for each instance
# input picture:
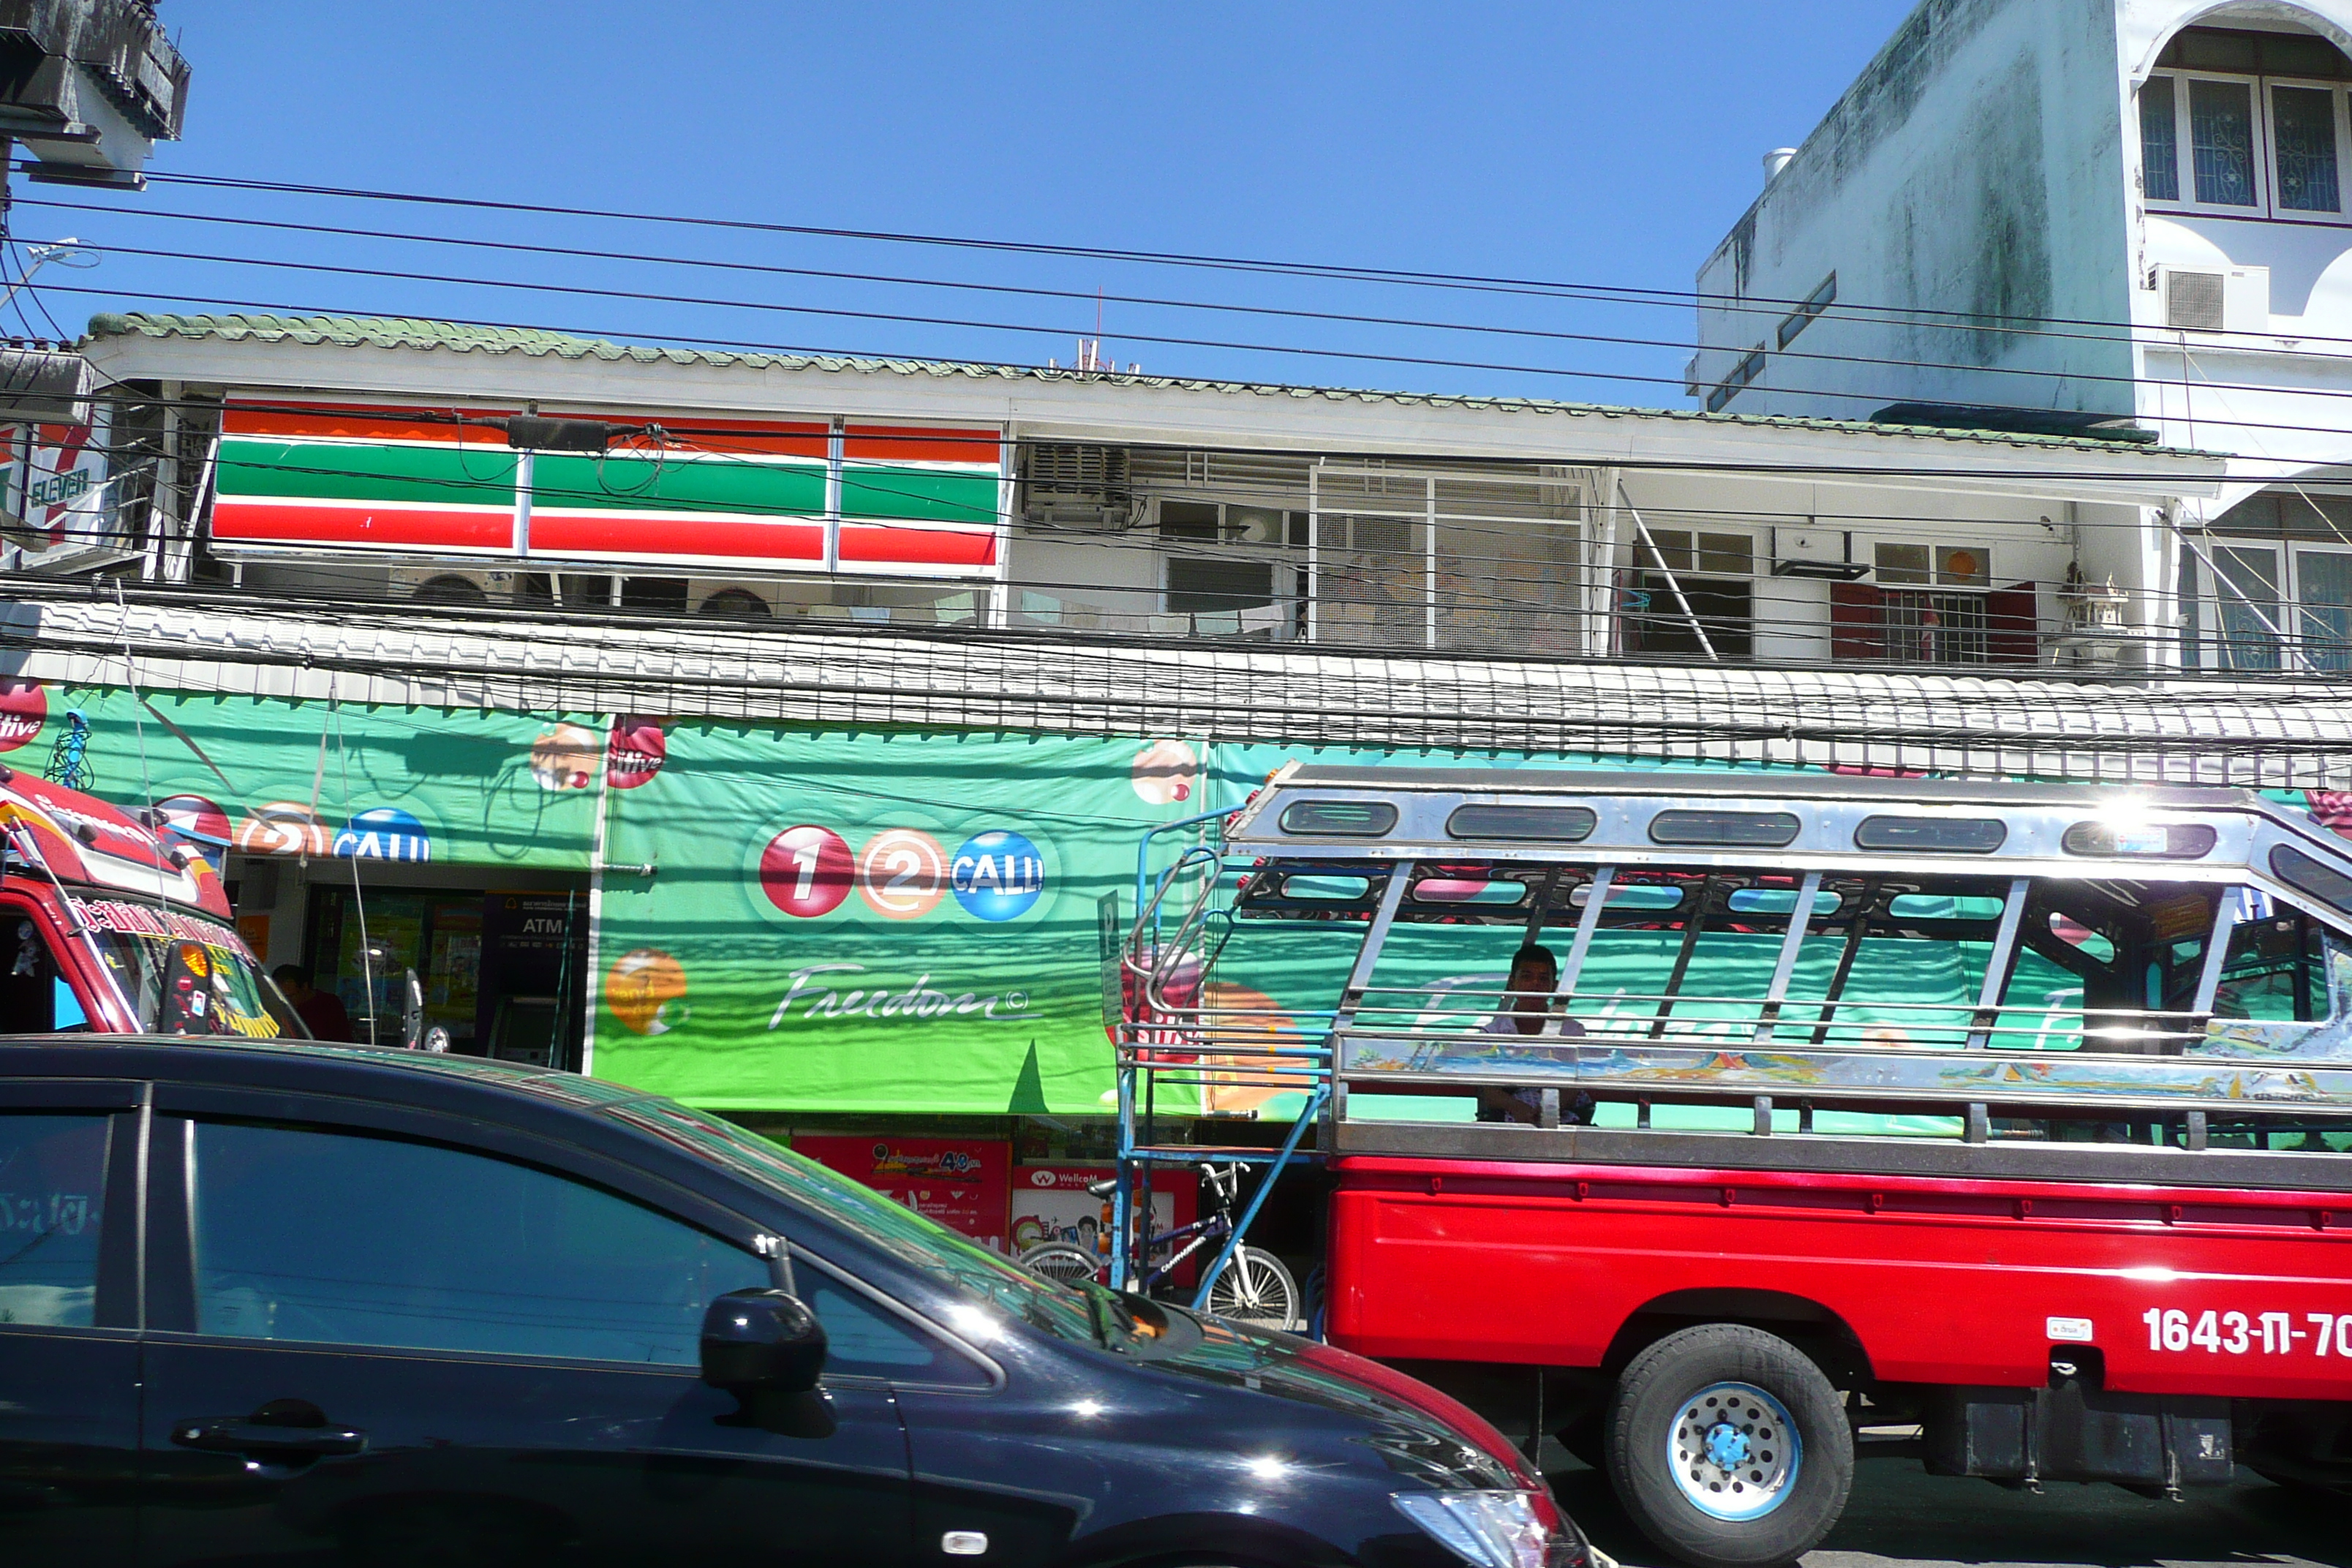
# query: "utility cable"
(1971, 321)
(1096, 297)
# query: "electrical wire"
(1096, 295)
(1363, 355)
(742, 345)
(1970, 320)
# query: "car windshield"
(179, 973)
(927, 1246)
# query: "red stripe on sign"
(916, 546)
(365, 423)
(919, 444)
(653, 539)
(372, 528)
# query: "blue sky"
(1571, 140)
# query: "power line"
(906, 318)
(618, 339)
(1599, 292)
(1080, 296)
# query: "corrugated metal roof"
(2291, 735)
(408, 333)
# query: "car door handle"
(243, 1435)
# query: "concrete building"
(2122, 218)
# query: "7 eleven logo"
(55, 479)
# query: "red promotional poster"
(959, 1181)
(1050, 1203)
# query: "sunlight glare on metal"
(974, 1322)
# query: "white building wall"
(1989, 162)
(1975, 168)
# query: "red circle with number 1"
(806, 871)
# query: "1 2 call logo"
(902, 873)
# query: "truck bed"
(2221, 1273)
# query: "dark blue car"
(271, 1303)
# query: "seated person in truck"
(1527, 1010)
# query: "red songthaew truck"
(114, 927)
(1717, 1123)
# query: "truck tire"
(1730, 1447)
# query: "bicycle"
(1256, 1287)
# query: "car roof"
(538, 1099)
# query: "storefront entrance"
(503, 969)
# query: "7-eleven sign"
(54, 486)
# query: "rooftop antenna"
(1090, 359)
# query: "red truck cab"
(110, 927)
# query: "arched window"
(2248, 124)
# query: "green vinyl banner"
(871, 922)
(879, 922)
(272, 776)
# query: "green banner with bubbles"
(871, 922)
(324, 780)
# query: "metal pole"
(2251, 608)
(1314, 547)
(1672, 582)
(1306, 1115)
(1429, 556)
(1790, 946)
(1585, 927)
(2217, 948)
(1997, 965)
(836, 443)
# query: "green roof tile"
(458, 337)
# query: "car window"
(52, 1176)
(866, 1339)
(909, 1237)
(355, 1239)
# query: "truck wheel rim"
(1734, 1451)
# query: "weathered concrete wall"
(1974, 169)
(1987, 164)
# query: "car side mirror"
(762, 1339)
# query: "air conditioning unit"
(1810, 552)
(2215, 299)
(1066, 484)
(456, 586)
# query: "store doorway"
(503, 970)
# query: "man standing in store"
(321, 1013)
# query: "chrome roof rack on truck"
(1764, 970)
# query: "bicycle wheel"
(1255, 1288)
(1061, 1263)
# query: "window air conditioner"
(1809, 552)
(2215, 299)
(1066, 484)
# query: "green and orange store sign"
(717, 493)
